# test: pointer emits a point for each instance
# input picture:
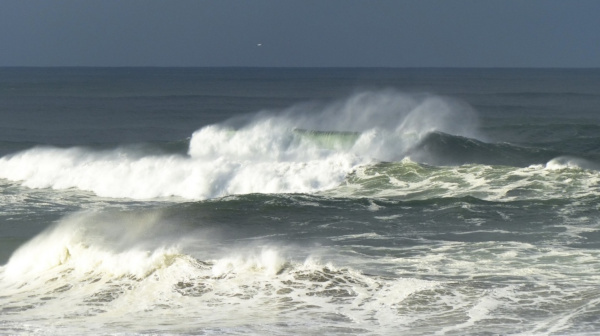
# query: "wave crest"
(266, 154)
(110, 272)
(107, 243)
(568, 162)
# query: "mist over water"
(262, 155)
(287, 202)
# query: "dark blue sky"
(349, 33)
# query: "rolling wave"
(444, 149)
(308, 149)
(91, 266)
(106, 271)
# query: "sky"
(307, 33)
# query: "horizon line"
(298, 67)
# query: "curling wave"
(87, 266)
(382, 144)
(303, 149)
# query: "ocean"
(236, 201)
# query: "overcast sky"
(307, 33)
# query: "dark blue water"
(299, 201)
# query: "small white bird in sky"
(259, 44)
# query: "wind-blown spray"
(274, 152)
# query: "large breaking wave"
(109, 271)
(103, 268)
(306, 148)
(268, 153)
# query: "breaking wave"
(91, 266)
(309, 148)
(303, 149)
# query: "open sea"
(236, 201)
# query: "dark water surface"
(299, 201)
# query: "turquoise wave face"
(328, 139)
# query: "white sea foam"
(264, 155)
(116, 174)
(109, 272)
(269, 260)
(91, 273)
(108, 243)
(410, 180)
(567, 162)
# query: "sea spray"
(388, 110)
(458, 234)
(111, 274)
(116, 243)
(570, 162)
(268, 260)
(264, 155)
